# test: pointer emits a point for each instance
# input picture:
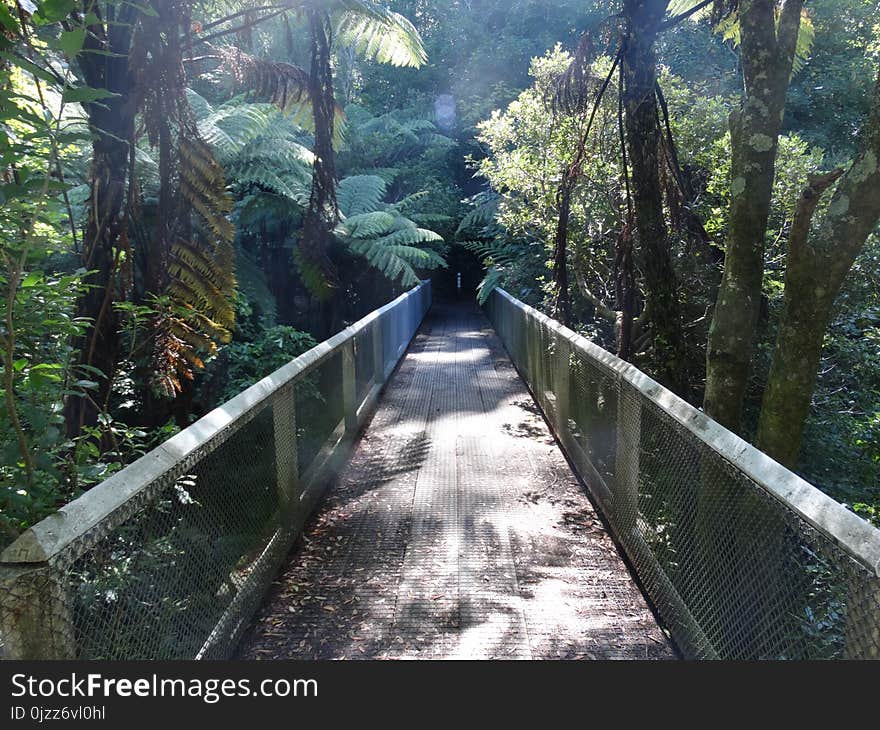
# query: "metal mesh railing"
(170, 557)
(741, 558)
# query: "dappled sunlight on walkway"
(457, 530)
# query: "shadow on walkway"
(457, 530)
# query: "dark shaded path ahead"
(456, 531)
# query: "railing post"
(35, 618)
(626, 465)
(399, 324)
(378, 351)
(561, 386)
(286, 453)
(349, 387)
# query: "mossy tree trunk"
(642, 126)
(816, 267)
(767, 52)
(111, 122)
(314, 262)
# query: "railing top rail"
(72, 522)
(857, 537)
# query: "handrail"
(72, 522)
(858, 537)
(688, 501)
(339, 379)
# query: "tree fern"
(285, 86)
(485, 206)
(381, 234)
(258, 147)
(360, 194)
(377, 33)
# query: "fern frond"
(430, 219)
(366, 225)
(483, 213)
(494, 252)
(281, 83)
(360, 194)
(396, 261)
(375, 32)
(312, 276)
(729, 29)
(410, 236)
(402, 206)
(292, 188)
(490, 282)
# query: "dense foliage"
(195, 192)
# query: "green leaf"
(40, 73)
(85, 94)
(51, 11)
(8, 20)
(19, 364)
(71, 41)
(32, 279)
(44, 373)
(43, 366)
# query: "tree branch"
(233, 16)
(676, 19)
(239, 28)
(602, 309)
(806, 208)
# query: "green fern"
(258, 147)
(728, 26)
(367, 225)
(494, 252)
(491, 281)
(485, 207)
(381, 234)
(375, 32)
(360, 194)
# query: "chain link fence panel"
(171, 556)
(741, 558)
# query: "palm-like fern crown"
(375, 32)
(382, 233)
(258, 147)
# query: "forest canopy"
(195, 192)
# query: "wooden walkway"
(457, 530)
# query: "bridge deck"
(457, 530)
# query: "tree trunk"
(314, 261)
(639, 70)
(767, 56)
(111, 123)
(562, 305)
(624, 293)
(816, 267)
